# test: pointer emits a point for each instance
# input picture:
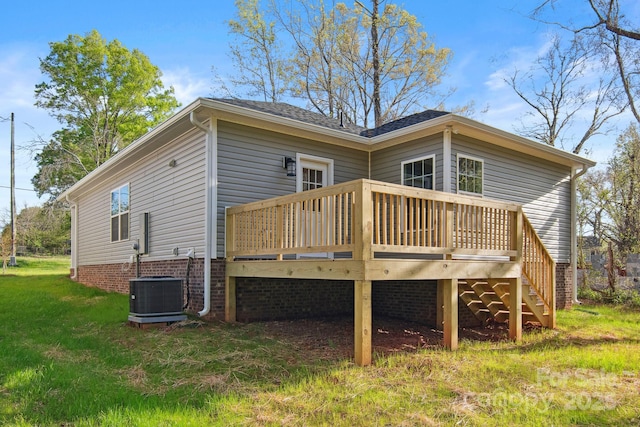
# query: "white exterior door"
(312, 173)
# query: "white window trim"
(308, 158)
(417, 159)
(476, 159)
(128, 185)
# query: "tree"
(104, 96)
(256, 54)
(593, 197)
(609, 200)
(624, 205)
(353, 61)
(5, 243)
(611, 34)
(557, 90)
(44, 228)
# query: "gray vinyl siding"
(386, 163)
(542, 187)
(174, 198)
(250, 166)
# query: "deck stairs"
(488, 300)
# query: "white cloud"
(187, 86)
(18, 76)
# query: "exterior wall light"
(289, 163)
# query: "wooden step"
(491, 299)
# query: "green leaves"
(104, 96)
(326, 55)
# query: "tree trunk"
(377, 110)
(611, 269)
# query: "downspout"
(574, 230)
(211, 177)
(74, 237)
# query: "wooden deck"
(367, 231)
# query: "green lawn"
(67, 358)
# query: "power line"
(18, 188)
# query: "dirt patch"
(333, 338)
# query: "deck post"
(363, 222)
(450, 313)
(362, 322)
(515, 309)
(362, 288)
(515, 285)
(230, 299)
(552, 296)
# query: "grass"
(68, 358)
(38, 266)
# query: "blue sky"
(488, 38)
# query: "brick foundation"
(115, 278)
(564, 286)
(415, 301)
(277, 299)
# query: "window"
(418, 173)
(313, 178)
(313, 172)
(470, 175)
(120, 213)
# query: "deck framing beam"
(374, 269)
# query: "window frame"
(431, 157)
(460, 156)
(120, 214)
(308, 160)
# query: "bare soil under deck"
(333, 338)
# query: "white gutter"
(74, 236)
(211, 195)
(574, 229)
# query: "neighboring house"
(370, 237)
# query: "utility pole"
(12, 259)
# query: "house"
(434, 217)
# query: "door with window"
(416, 224)
(313, 173)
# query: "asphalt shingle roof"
(404, 122)
(296, 113)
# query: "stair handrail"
(539, 269)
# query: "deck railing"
(539, 269)
(410, 220)
(372, 216)
(309, 222)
